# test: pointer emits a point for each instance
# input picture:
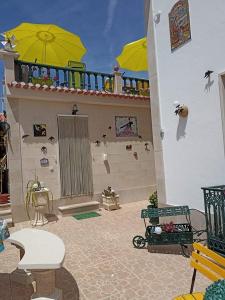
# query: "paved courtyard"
(101, 263)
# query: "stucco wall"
(193, 148)
(133, 178)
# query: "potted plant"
(110, 199)
(153, 203)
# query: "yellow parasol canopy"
(134, 56)
(46, 44)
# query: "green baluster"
(30, 73)
(103, 82)
(57, 77)
(73, 79)
(96, 81)
(110, 83)
(89, 81)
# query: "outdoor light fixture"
(75, 109)
(157, 17)
(97, 143)
(140, 137)
(104, 136)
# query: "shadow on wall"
(209, 85)
(181, 128)
(13, 288)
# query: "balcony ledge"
(23, 85)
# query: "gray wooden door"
(74, 156)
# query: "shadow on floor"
(13, 286)
(51, 217)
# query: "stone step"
(5, 213)
(73, 209)
(10, 222)
(5, 206)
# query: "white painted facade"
(191, 153)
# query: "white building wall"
(193, 148)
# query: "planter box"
(110, 203)
(182, 235)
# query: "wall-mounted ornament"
(44, 162)
(25, 136)
(128, 147)
(44, 150)
(40, 130)
(51, 139)
(75, 109)
(162, 133)
(97, 143)
(179, 23)
(135, 155)
(126, 126)
(104, 136)
(147, 147)
(181, 111)
(9, 43)
(208, 73)
(110, 127)
(140, 137)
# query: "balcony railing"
(77, 78)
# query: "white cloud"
(110, 15)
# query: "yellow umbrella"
(46, 44)
(134, 56)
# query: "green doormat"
(88, 215)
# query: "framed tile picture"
(126, 126)
(179, 22)
(39, 130)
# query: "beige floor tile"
(101, 263)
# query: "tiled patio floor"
(102, 261)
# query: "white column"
(8, 58)
(117, 83)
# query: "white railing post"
(8, 57)
(117, 87)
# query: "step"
(4, 213)
(5, 206)
(10, 222)
(72, 209)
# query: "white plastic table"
(42, 253)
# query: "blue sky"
(103, 25)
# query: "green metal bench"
(182, 232)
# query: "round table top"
(43, 249)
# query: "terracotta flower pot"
(183, 112)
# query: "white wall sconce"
(105, 156)
(157, 17)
